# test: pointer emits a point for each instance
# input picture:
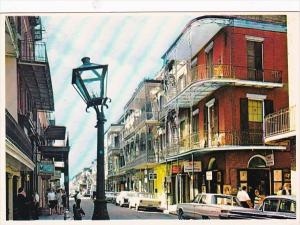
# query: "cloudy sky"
(132, 46)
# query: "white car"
(144, 200)
(123, 198)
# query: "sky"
(131, 45)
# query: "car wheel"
(205, 217)
(180, 214)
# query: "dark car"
(273, 207)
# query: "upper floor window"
(255, 60)
(255, 111)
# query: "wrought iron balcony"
(200, 81)
(145, 117)
(280, 123)
(114, 149)
(136, 160)
(215, 140)
(17, 136)
(33, 52)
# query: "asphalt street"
(122, 213)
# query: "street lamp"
(90, 81)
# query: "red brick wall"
(229, 105)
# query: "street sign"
(269, 160)
(152, 176)
(208, 175)
(188, 166)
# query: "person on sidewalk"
(64, 200)
(244, 198)
(59, 201)
(51, 201)
(22, 205)
(257, 199)
(78, 211)
(35, 208)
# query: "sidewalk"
(46, 216)
(171, 209)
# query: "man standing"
(244, 198)
(22, 205)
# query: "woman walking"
(77, 210)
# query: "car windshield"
(145, 195)
(225, 200)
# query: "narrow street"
(121, 213)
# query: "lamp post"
(90, 81)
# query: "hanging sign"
(188, 166)
(269, 160)
(152, 176)
(46, 168)
(176, 168)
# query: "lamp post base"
(100, 210)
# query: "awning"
(225, 148)
(55, 133)
(58, 153)
(200, 30)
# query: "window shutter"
(244, 114)
(205, 124)
(268, 107)
(216, 116)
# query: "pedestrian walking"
(244, 198)
(22, 205)
(51, 200)
(36, 204)
(59, 205)
(257, 199)
(77, 210)
(64, 199)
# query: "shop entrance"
(258, 175)
(259, 179)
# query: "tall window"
(255, 112)
(254, 60)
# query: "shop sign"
(46, 168)
(269, 160)
(188, 166)
(176, 168)
(152, 176)
(208, 175)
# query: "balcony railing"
(17, 136)
(219, 72)
(33, 52)
(214, 140)
(144, 117)
(140, 159)
(280, 122)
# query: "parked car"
(274, 206)
(122, 198)
(144, 200)
(111, 196)
(207, 206)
